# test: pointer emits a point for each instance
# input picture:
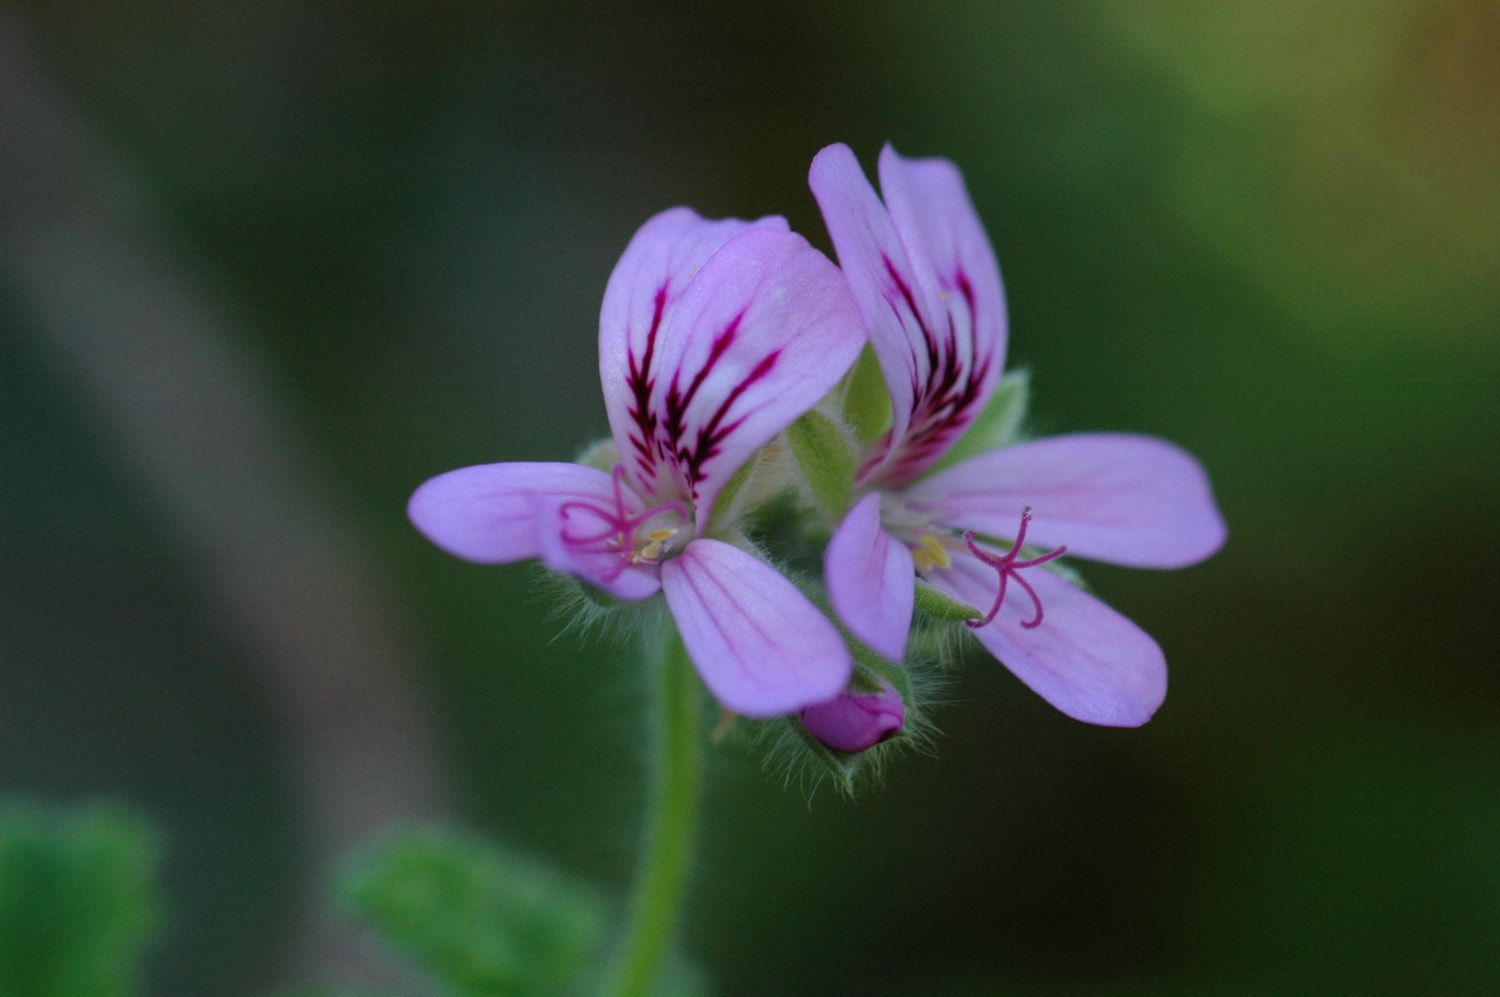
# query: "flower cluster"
(740, 366)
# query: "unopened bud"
(855, 720)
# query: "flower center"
(642, 538)
(929, 553)
(1010, 568)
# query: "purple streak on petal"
(930, 207)
(870, 580)
(762, 648)
(855, 721)
(934, 218)
(1085, 659)
(763, 332)
(689, 451)
(929, 290)
(643, 455)
(1131, 500)
(897, 293)
(654, 271)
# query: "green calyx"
(867, 400)
(999, 425)
(938, 605)
(827, 458)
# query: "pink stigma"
(616, 532)
(1008, 567)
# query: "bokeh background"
(266, 267)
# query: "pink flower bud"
(855, 720)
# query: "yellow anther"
(651, 550)
(930, 553)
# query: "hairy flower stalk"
(928, 287)
(714, 337)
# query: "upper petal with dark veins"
(766, 328)
(656, 268)
(928, 287)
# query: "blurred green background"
(267, 267)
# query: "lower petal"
(762, 648)
(870, 580)
(1084, 658)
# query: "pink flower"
(922, 270)
(713, 338)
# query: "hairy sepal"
(826, 458)
(938, 605)
(867, 400)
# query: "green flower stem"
(661, 877)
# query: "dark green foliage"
(78, 902)
(485, 921)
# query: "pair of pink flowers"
(715, 336)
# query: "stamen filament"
(619, 532)
(1008, 567)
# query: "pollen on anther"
(929, 553)
(651, 549)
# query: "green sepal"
(999, 425)
(1062, 569)
(484, 920)
(723, 510)
(79, 900)
(872, 667)
(827, 459)
(939, 605)
(867, 400)
(602, 455)
(839, 767)
(596, 596)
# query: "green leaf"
(486, 921)
(78, 900)
(321, 990)
(999, 425)
(826, 457)
(941, 606)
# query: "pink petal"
(654, 271)
(498, 513)
(762, 648)
(870, 580)
(1132, 500)
(1085, 659)
(930, 207)
(929, 289)
(762, 333)
(897, 294)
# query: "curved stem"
(661, 876)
